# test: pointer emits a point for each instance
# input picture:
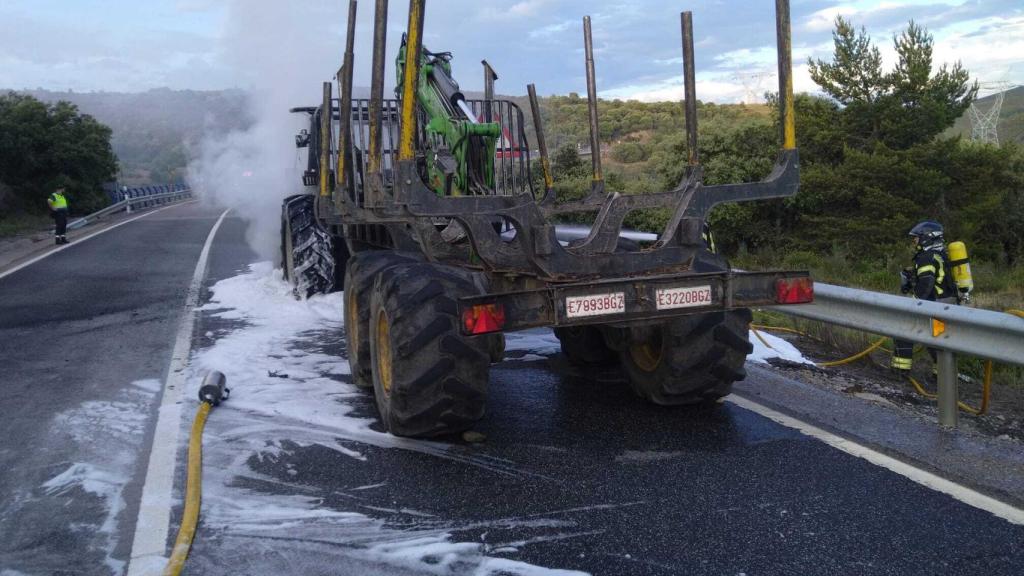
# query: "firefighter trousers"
(903, 350)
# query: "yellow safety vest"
(57, 201)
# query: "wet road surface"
(575, 473)
(85, 340)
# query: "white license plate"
(669, 298)
(595, 304)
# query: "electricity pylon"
(752, 82)
(985, 122)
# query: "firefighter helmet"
(927, 233)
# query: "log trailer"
(423, 208)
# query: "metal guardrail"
(948, 328)
(134, 198)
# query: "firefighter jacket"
(934, 278)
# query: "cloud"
(527, 8)
(83, 57)
(637, 42)
(551, 29)
(991, 50)
(746, 58)
(825, 20)
(197, 5)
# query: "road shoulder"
(18, 250)
(992, 466)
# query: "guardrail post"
(948, 393)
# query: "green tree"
(907, 106)
(43, 145)
(855, 73)
(921, 105)
(630, 152)
(566, 162)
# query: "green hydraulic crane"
(460, 149)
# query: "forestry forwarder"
(430, 220)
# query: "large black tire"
(362, 269)
(689, 360)
(428, 379)
(308, 251)
(585, 346)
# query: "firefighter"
(59, 211)
(930, 278)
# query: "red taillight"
(794, 290)
(484, 318)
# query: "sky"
(132, 46)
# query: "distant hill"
(153, 130)
(1011, 117)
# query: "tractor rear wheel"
(428, 379)
(362, 270)
(688, 360)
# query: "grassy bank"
(17, 224)
(996, 287)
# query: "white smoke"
(280, 52)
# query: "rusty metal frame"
(407, 207)
(531, 308)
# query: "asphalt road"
(85, 341)
(575, 474)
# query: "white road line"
(149, 547)
(84, 238)
(962, 493)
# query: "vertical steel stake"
(325, 141)
(690, 89)
(380, 31)
(345, 108)
(785, 56)
(595, 134)
(489, 77)
(538, 126)
(410, 80)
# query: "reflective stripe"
(709, 240)
(925, 269)
(901, 363)
(941, 273)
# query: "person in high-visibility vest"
(930, 278)
(59, 210)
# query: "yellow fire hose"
(193, 487)
(853, 358)
(986, 387)
(211, 393)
